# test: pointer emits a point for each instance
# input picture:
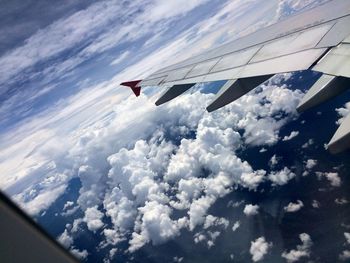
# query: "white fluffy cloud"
(301, 251)
(208, 238)
(178, 259)
(293, 207)
(65, 239)
(68, 205)
(347, 237)
(341, 201)
(93, 218)
(251, 210)
(343, 112)
(81, 254)
(235, 226)
(310, 163)
(281, 177)
(259, 248)
(156, 225)
(135, 187)
(215, 221)
(315, 204)
(345, 255)
(332, 177)
(198, 210)
(274, 160)
(292, 135)
(308, 144)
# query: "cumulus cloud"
(281, 177)
(81, 254)
(69, 208)
(301, 251)
(345, 255)
(332, 177)
(213, 236)
(178, 259)
(251, 210)
(156, 225)
(199, 237)
(308, 144)
(293, 207)
(93, 218)
(315, 204)
(347, 237)
(292, 135)
(273, 161)
(208, 238)
(233, 204)
(215, 221)
(198, 210)
(67, 205)
(235, 226)
(341, 201)
(259, 248)
(65, 239)
(310, 163)
(343, 112)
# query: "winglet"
(134, 85)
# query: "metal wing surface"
(318, 39)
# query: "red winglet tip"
(137, 91)
(133, 85)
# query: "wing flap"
(234, 89)
(341, 139)
(336, 62)
(173, 92)
(324, 89)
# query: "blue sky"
(63, 114)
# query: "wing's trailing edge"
(318, 39)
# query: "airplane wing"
(318, 39)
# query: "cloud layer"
(140, 165)
(140, 185)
